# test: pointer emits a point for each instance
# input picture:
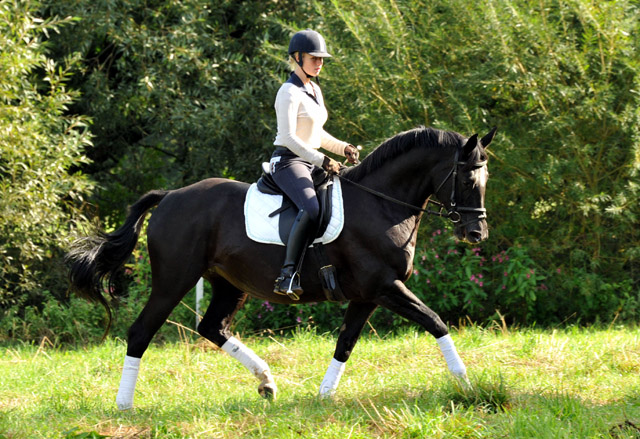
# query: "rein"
(452, 214)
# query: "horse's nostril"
(475, 236)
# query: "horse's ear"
(469, 146)
(486, 140)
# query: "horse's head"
(468, 181)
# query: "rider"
(300, 115)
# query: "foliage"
(559, 78)
(456, 280)
(40, 144)
(180, 91)
(176, 90)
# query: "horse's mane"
(422, 137)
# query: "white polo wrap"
(332, 378)
(454, 362)
(246, 356)
(124, 399)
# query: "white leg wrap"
(454, 362)
(332, 378)
(124, 400)
(246, 356)
(255, 364)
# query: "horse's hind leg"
(354, 320)
(215, 327)
(166, 292)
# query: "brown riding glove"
(352, 154)
(331, 166)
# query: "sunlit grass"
(527, 383)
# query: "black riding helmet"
(308, 41)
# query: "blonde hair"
(292, 61)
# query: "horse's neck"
(409, 176)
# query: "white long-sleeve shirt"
(301, 119)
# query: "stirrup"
(288, 281)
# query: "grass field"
(570, 383)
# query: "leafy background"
(103, 100)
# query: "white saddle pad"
(261, 228)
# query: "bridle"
(454, 211)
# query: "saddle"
(323, 184)
(288, 211)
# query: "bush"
(41, 196)
(183, 90)
(560, 80)
(458, 281)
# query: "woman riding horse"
(301, 114)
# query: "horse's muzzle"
(473, 232)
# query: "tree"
(41, 196)
(177, 91)
(559, 78)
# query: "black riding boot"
(299, 237)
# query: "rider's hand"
(330, 165)
(352, 154)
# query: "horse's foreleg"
(215, 327)
(399, 299)
(354, 320)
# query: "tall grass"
(531, 383)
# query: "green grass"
(571, 383)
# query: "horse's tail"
(97, 258)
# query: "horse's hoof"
(464, 382)
(268, 391)
(124, 406)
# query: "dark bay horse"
(199, 231)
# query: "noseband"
(453, 213)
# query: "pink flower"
(481, 284)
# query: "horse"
(199, 231)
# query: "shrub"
(41, 196)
